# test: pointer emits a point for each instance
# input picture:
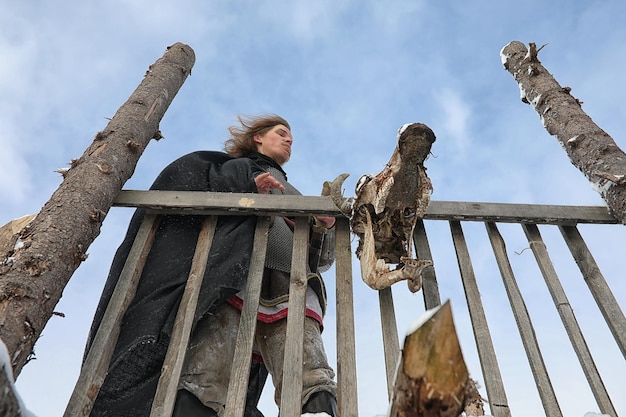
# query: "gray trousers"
(209, 357)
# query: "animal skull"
(386, 208)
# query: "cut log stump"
(432, 379)
(14, 226)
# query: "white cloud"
(16, 181)
(454, 122)
(404, 16)
(305, 21)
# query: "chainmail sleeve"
(280, 238)
(327, 255)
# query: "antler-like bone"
(334, 189)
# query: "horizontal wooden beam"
(198, 202)
(518, 213)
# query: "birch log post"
(37, 262)
(432, 379)
(589, 148)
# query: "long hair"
(241, 142)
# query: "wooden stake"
(432, 379)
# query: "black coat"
(129, 387)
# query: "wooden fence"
(565, 218)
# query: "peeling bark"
(589, 148)
(37, 263)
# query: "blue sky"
(346, 75)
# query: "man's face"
(276, 143)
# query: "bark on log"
(589, 148)
(432, 379)
(37, 263)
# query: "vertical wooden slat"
(601, 292)
(488, 361)
(568, 318)
(346, 351)
(291, 396)
(391, 343)
(96, 364)
(240, 372)
(165, 396)
(524, 324)
(430, 287)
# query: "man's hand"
(265, 183)
(326, 221)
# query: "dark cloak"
(131, 382)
